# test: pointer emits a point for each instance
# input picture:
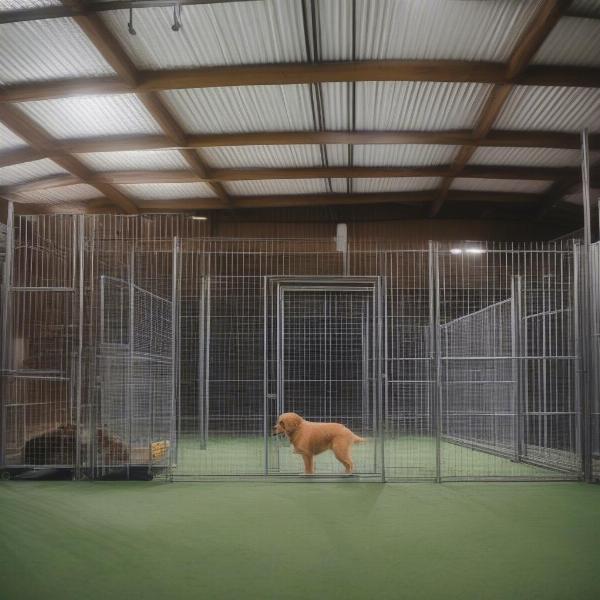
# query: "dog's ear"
(293, 421)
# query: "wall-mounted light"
(198, 218)
(474, 250)
(455, 251)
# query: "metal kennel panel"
(41, 371)
(410, 440)
(323, 357)
(136, 379)
(595, 358)
(505, 340)
(223, 424)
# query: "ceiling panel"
(417, 29)
(418, 105)
(398, 184)
(528, 157)
(80, 191)
(237, 109)
(158, 160)
(9, 140)
(277, 186)
(85, 116)
(48, 49)
(551, 108)
(23, 172)
(218, 34)
(166, 191)
(573, 41)
(403, 155)
(238, 157)
(6, 5)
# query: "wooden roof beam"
(528, 44)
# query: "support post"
(174, 362)
(6, 328)
(436, 367)
(586, 273)
(517, 366)
(80, 231)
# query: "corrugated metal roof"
(49, 49)
(124, 161)
(403, 155)
(84, 116)
(573, 41)
(9, 140)
(527, 157)
(80, 191)
(6, 5)
(271, 187)
(166, 191)
(29, 171)
(339, 186)
(234, 109)
(234, 157)
(399, 184)
(414, 29)
(551, 108)
(589, 8)
(221, 34)
(413, 105)
(500, 185)
(337, 155)
(336, 105)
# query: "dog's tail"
(358, 440)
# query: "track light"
(176, 17)
(130, 24)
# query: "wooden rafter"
(299, 73)
(530, 41)
(107, 45)
(40, 142)
(226, 175)
(494, 139)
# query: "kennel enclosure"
(139, 346)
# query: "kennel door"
(326, 347)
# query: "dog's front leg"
(309, 468)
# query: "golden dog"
(310, 439)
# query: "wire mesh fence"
(137, 345)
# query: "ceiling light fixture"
(475, 250)
(455, 251)
(176, 17)
(198, 218)
(130, 24)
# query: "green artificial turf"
(406, 457)
(133, 540)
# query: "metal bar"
(80, 237)
(436, 367)
(175, 414)
(6, 327)
(266, 428)
(517, 392)
(130, 355)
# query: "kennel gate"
(323, 360)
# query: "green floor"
(155, 540)
(406, 457)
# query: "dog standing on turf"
(310, 439)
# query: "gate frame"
(273, 288)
